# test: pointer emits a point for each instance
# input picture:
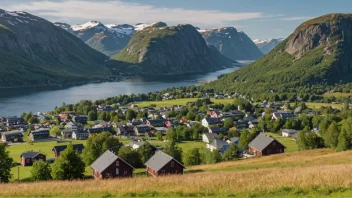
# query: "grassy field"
(337, 94)
(289, 143)
(315, 173)
(318, 105)
(21, 172)
(169, 103)
(43, 147)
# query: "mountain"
(266, 46)
(232, 44)
(314, 58)
(171, 50)
(34, 51)
(108, 39)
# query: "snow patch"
(87, 25)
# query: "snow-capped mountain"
(231, 43)
(108, 39)
(267, 45)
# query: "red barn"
(264, 145)
(162, 164)
(28, 158)
(109, 165)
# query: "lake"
(13, 102)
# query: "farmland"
(314, 173)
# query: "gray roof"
(159, 160)
(29, 154)
(105, 160)
(261, 142)
(212, 120)
(211, 135)
(234, 139)
(218, 143)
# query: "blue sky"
(260, 19)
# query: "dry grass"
(324, 170)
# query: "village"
(217, 129)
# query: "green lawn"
(169, 103)
(45, 148)
(290, 144)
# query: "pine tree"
(68, 166)
(331, 136)
(6, 164)
(344, 142)
(41, 171)
(231, 153)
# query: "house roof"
(218, 130)
(211, 136)
(29, 154)
(59, 149)
(13, 134)
(105, 160)
(212, 120)
(262, 141)
(159, 160)
(218, 143)
(234, 139)
(157, 121)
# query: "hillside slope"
(33, 51)
(313, 173)
(316, 55)
(232, 44)
(171, 50)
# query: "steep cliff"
(317, 54)
(33, 51)
(232, 44)
(170, 50)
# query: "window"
(117, 163)
(117, 171)
(172, 164)
(107, 175)
(274, 143)
(125, 173)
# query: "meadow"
(313, 173)
(21, 172)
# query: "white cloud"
(302, 18)
(123, 12)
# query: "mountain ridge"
(231, 43)
(314, 58)
(171, 50)
(33, 51)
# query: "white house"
(206, 122)
(289, 133)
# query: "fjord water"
(15, 101)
